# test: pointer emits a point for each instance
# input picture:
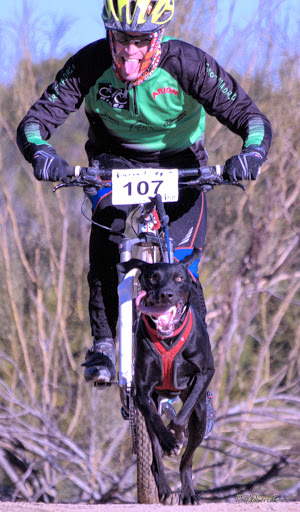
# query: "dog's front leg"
(196, 430)
(198, 388)
(167, 440)
(165, 494)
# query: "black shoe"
(100, 362)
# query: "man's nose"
(131, 48)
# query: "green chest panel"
(152, 116)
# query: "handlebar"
(201, 176)
(206, 172)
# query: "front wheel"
(146, 488)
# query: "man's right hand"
(48, 166)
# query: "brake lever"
(234, 183)
(74, 183)
(82, 182)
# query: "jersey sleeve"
(57, 102)
(201, 76)
(223, 97)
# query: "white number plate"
(135, 186)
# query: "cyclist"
(145, 99)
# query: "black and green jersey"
(164, 115)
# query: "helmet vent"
(150, 8)
(132, 7)
(116, 7)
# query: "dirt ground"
(243, 506)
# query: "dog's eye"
(178, 279)
(151, 279)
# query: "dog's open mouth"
(164, 316)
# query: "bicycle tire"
(146, 487)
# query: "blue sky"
(86, 14)
(82, 24)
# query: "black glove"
(48, 166)
(246, 165)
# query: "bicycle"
(146, 189)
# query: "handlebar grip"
(209, 171)
(205, 172)
(73, 171)
(89, 173)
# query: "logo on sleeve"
(116, 98)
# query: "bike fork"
(127, 291)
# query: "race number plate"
(135, 186)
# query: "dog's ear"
(126, 266)
(188, 260)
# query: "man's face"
(131, 49)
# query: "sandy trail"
(244, 506)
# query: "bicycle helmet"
(137, 15)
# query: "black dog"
(173, 358)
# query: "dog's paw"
(169, 499)
(188, 499)
(175, 452)
(179, 444)
(178, 434)
(170, 445)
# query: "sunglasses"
(126, 39)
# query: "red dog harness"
(168, 354)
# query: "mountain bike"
(146, 190)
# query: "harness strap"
(168, 354)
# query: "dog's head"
(165, 290)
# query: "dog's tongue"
(154, 310)
(139, 298)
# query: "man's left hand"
(246, 165)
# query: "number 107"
(142, 187)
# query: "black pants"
(188, 218)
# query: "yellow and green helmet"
(137, 15)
